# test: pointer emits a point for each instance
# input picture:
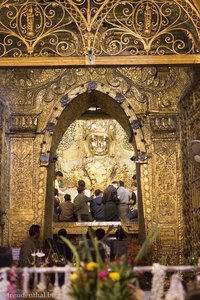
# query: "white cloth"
(176, 290)
(57, 186)
(87, 193)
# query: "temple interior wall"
(38, 109)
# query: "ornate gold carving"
(168, 245)
(166, 192)
(30, 30)
(38, 203)
(148, 20)
(42, 93)
(153, 85)
(163, 123)
(18, 231)
(166, 206)
(95, 154)
(98, 27)
(165, 158)
(21, 179)
(23, 123)
(190, 117)
(142, 84)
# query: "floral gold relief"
(21, 193)
(89, 29)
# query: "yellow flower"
(73, 276)
(91, 266)
(114, 276)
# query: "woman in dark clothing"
(111, 202)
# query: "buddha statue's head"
(99, 137)
(98, 144)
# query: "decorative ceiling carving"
(98, 28)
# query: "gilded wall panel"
(18, 231)
(168, 249)
(190, 120)
(167, 187)
(165, 180)
(21, 177)
(18, 87)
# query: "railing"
(39, 280)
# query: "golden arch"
(74, 109)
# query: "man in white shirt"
(58, 183)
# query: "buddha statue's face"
(99, 144)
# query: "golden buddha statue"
(99, 158)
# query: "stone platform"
(82, 227)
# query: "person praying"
(29, 246)
(66, 210)
(58, 184)
(97, 206)
(81, 208)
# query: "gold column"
(167, 187)
(27, 180)
(21, 210)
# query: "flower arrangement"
(98, 280)
(93, 281)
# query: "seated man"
(100, 234)
(30, 245)
(97, 206)
(62, 249)
(87, 247)
(119, 247)
(81, 208)
(66, 210)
